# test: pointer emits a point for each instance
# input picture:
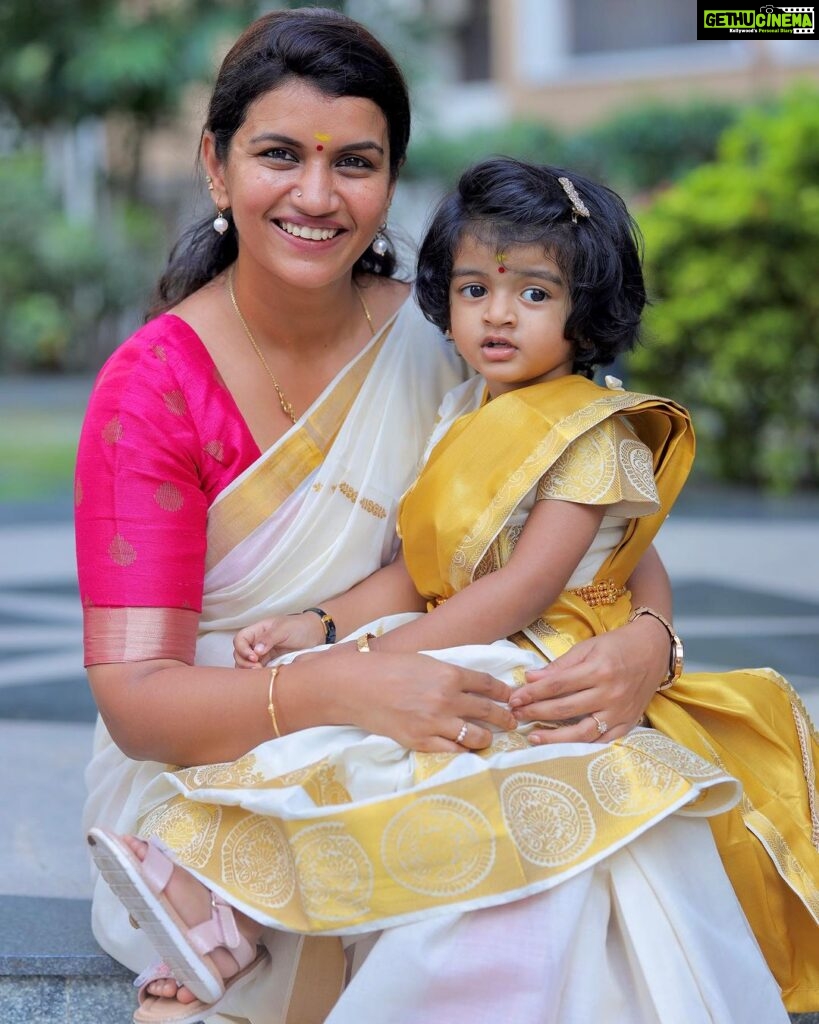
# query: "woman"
(287, 335)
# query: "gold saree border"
(235, 515)
(117, 635)
(473, 840)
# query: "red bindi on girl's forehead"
(501, 270)
(319, 148)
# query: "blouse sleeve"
(140, 512)
(608, 465)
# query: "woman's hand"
(607, 680)
(420, 702)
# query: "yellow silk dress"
(751, 723)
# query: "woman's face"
(307, 178)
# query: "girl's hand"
(612, 676)
(420, 702)
(256, 645)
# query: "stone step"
(53, 972)
(51, 969)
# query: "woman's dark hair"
(502, 202)
(329, 51)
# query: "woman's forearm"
(187, 715)
(181, 714)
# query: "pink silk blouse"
(162, 437)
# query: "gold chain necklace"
(287, 406)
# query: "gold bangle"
(675, 665)
(271, 707)
(363, 642)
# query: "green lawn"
(37, 451)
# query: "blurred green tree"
(731, 257)
(81, 241)
(66, 61)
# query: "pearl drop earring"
(381, 244)
(221, 224)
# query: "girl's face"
(508, 311)
(307, 178)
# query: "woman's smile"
(306, 231)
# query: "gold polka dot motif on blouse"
(121, 551)
(175, 402)
(112, 431)
(215, 449)
(169, 497)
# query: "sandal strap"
(221, 930)
(157, 867)
(155, 972)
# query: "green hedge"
(731, 258)
(638, 149)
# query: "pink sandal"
(140, 886)
(161, 1010)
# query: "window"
(618, 25)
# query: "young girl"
(334, 831)
(534, 474)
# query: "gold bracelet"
(363, 642)
(271, 707)
(675, 665)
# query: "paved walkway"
(746, 590)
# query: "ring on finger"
(602, 727)
(462, 734)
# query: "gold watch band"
(675, 665)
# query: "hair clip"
(579, 208)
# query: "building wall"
(574, 61)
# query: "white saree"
(556, 885)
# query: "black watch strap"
(327, 622)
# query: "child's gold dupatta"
(491, 458)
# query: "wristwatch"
(675, 665)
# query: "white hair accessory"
(579, 208)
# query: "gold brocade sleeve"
(607, 465)
(117, 635)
